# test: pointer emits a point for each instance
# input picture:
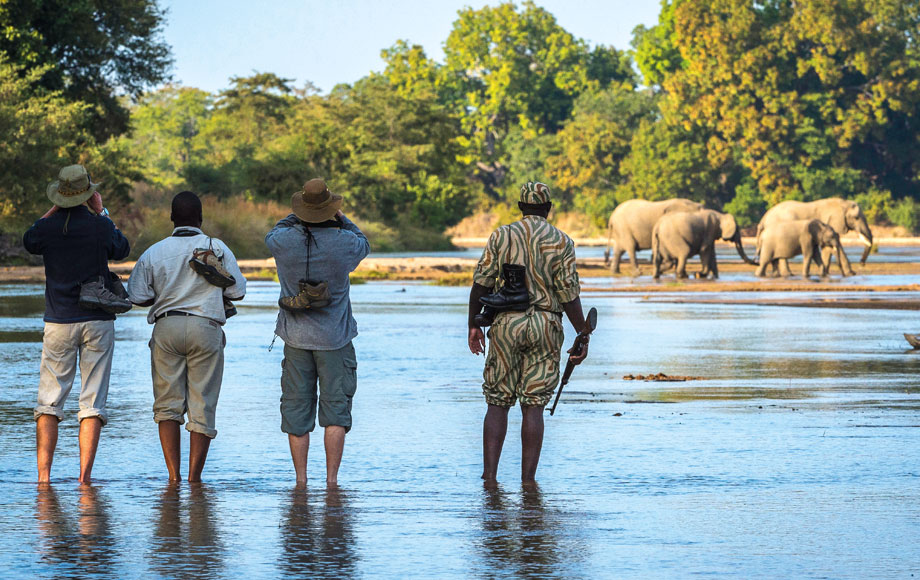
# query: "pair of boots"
(512, 297)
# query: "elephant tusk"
(865, 240)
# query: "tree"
(91, 51)
(508, 68)
(44, 132)
(811, 98)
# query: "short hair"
(186, 208)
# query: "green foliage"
(89, 50)
(810, 98)
(42, 131)
(748, 206)
(507, 68)
(906, 213)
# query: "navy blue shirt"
(74, 250)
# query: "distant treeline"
(734, 103)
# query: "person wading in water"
(533, 265)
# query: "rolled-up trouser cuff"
(47, 410)
(168, 416)
(87, 413)
(193, 427)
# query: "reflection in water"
(81, 545)
(524, 539)
(190, 548)
(318, 542)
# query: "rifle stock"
(580, 341)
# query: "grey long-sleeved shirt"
(336, 253)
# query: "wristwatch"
(105, 212)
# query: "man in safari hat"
(532, 263)
(315, 249)
(76, 238)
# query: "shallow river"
(795, 454)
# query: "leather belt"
(173, 313)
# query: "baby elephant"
(784, 240)
(679, 236)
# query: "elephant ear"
(728, 225)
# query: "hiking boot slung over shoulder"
(311, 295)
(206, 263)
(95, 296)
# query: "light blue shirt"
(334, 255)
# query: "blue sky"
(340, 41)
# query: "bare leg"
(531, 441)
(46, 435)
(90, 428)
(494, 428)
(300, 446)
(198, 445)
(170, 442)
(334, 442)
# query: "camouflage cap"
(535, 193)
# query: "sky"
(331, 42)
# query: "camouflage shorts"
(523, 358)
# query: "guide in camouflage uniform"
(525, 346)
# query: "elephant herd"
(678, 229)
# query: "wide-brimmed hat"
(315, 203)
(72, 188)
(535, 193)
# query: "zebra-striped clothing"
(523, 359)
(547, 254)
(524, 347)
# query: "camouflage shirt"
(547, 254)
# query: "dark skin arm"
(476, 339)
(577, 318)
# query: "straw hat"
(72, 188)
(315, 203)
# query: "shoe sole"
(96, 304)
(211, 275)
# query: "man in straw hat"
(187, 347)
(535, 263)
(76, 239)
(315, 249)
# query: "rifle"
(580, 341)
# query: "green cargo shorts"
(336, 372)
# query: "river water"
(794, 455)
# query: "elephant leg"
(784, 270)
(656, 264)
(765, 258)
(631, 250)
(681, 266)
(617, 254)
(713, 266)
(806, 264)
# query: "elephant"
(841, 214)
(785, 240)
(629, 228)
(679, 236)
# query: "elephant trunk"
(741, 253)
(867, 240)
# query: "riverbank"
(459, 271)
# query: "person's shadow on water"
(80, 544)
(191, 548)
(318, 540)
